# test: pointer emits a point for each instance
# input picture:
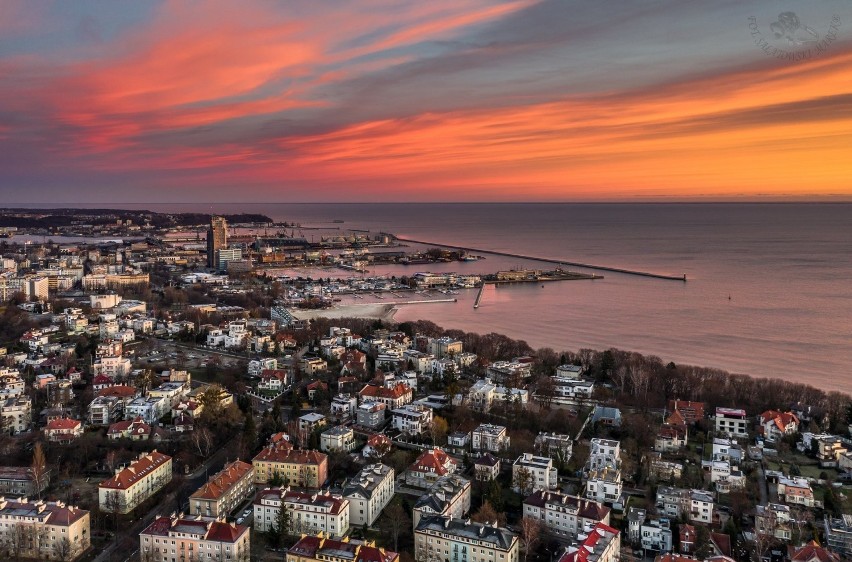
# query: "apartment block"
(224, 491)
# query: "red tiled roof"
(285, 454)
(62, 424)
(137, 470)
(433, 460)
(119, 391)
(398, 391)
(223, 481)
(311, 546)
(811, 551)
(378, 439)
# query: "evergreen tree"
(249, 435)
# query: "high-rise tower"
(217, 239)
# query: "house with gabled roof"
(431, 465)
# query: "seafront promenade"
(681, 278)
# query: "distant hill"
(47, 218)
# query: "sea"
(768, 290)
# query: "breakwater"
(681, 278)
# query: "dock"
(681, 278)
(479, 295)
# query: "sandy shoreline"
(381, 311)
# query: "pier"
(681, 278)
(479, 295)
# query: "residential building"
(656, 535)
(132, 485)
(55, 530)
(149, 409)
(310, 513)
(224, 491)
(774, 424)
(337, 439)
(412, 419)
(530, 472)
(274, 380)
(171, 539)
(319, 548)
(368, 493)
(311, 421)
(604, 453)
(557, 446)
(670, 438)
(604, 485)
(343, 407)
(19, 481)
(692, 412)
(564, 516)
(606, 415)
(796, 491)
(105, 410)
(135, 430)
(306, 469)
(445, 347)
(217, 239)
(63, 430)
(773, 520)
(444, 538)
(731, 422)
(16, 414)
(696, 505)
(371, 415)
(838, 535)
(378, 445)
(601, 544)
(489, 438)
(393, 398)
(569, 390)
(727, 449)
(431, 465)
(449, 496)
(486, 467)
(829, 450)
(811, 552)
(724, 475)
(484, 394)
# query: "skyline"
(450, 101)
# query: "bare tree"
(438, 429)
(545, 392)
(202, 440)
(530, 535)
(523, 480)
(39, 469)
(487, 514)
(63, 550)
(396, 522)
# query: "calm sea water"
(769, 290)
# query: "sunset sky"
(438, 100)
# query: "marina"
(665, 277)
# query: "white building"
(134, 484)
(489, 438)
(168, 539)
(149, 409)
(530, 472)
(484, 394)
(601, 544)
(449, 496)
(695, 505)
(604, 453)
(49, 529)
(412, 419)
(604, 485)
(310, 513)
(337, 439)
(445, 538)
(564, 516)
(731, 422)
(368, 493)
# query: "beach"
(380, 311)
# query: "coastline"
(380, 311)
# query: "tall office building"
(217, 239)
